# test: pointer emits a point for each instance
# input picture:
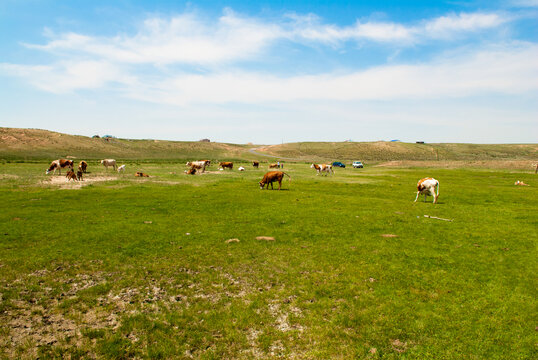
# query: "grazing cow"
(121, 168)
(273, 166)
(79, 175)
(271, 177)
(198, 164)
(82, 166)
(428, 186)
(520, 183)
(226, 165)
(60, 164)
(191, 171)
(241, 168)
(71, 175)
(322, 168)
(256, 164)
(109, 162)
(141, 174)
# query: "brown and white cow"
(322, 168)
(199, 165)
(428, 186)
(109, 162)
(273, 166)
(82, 166)
(271, 177)
(141, 174)
(71, 175)
(226, 165)
(256, 164)
(207, 162)
(60, 164)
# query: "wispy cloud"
(442, 27)
(64, 77)
(507, 70)
(188, 38)
(89, 62)
(182, 39)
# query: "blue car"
(339, 164)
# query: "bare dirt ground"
(62, 182)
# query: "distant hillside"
(32, 144)
(383, 151)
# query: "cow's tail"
(437, 188)
(289, 177)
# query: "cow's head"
(262, 184)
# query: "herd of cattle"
(426, 186)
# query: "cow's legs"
(279, 184)
(418, 193)
(425, 196)
(272, 188)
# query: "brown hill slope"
(42, 144)
(33, 144)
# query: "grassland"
(141, 268)
(390, 151)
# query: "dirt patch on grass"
(62, 182)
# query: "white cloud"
(508, 70)
(444, 26)
(188, 38)
(181, 39)
(66, 77)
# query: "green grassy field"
(141, 268)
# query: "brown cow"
(271, 177)
(79, 175)
(60, 164)
(191, 171)
(71, 175)
(256, 164)
(273, 166)
(226, 164)
(141, 174)
(82, 166)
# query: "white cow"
(198, 164)
(109, 162)
(428, 186)
(121, 168)
(320, 168)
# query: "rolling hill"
(33, 144)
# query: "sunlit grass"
(141, 267)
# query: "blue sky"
(275, 71)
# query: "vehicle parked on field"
(339, 164)
(357, 164)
